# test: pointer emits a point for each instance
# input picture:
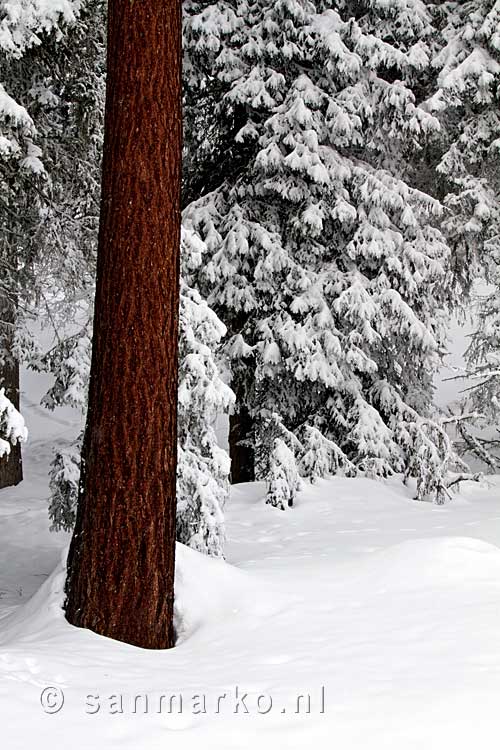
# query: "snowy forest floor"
(384, 610)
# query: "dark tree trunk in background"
(241, 443)
(121, 561)
(11, 466)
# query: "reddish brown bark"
(121, 562)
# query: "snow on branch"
(323, 457)
(283, 480)
(13, 429)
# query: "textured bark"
(121, 563)
(11, 466)
(241, 445)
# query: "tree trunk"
(11, 466)
(121, 562)
(241, 443)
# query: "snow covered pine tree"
(27, 30)
(203, 471)
(328, 268)
(466, 101)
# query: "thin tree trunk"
(121, 561)
(241, 444)
(11, 466)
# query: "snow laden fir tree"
(203, 467)
(24, 27)
(466, 100)
(51, 121)
(329, 269)
(40, 105)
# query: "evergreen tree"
(466, 100)
(283, 480)
(203, 467)
(327, 266)
(39, 126)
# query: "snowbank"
(379, 613)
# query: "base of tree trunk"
(11, 468)
(241, 446)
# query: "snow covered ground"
(386, 612)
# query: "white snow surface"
(392, 606)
